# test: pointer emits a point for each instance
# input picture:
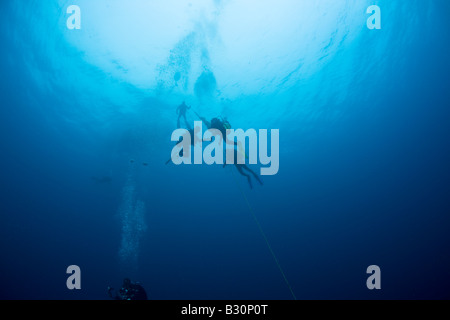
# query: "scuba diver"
(181, 111)
(242, 167)
(220, 124)
(216, 123)
(129, 291)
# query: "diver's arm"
(230, 142)
(206, 122)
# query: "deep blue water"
(364, 124)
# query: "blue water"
(364, 149)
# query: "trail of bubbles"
(132, 215)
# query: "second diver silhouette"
(181, 111)
(222, 125)
(129, 291)
(241, 167)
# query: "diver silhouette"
(129, 291)
(181, 111)
(241, 167)
(220, 124)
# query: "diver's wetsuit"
(218, 125)
(181, 110)
(242, 167)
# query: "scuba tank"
(225, 123)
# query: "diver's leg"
(239, 167)
(254, 174)
(230, 142)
